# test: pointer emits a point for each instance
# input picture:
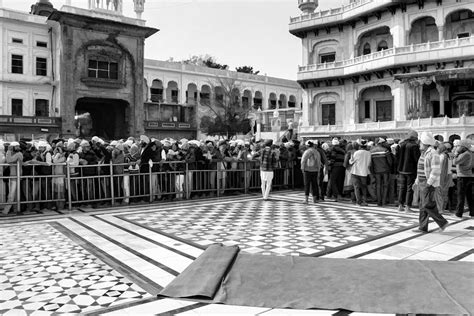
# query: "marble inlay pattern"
(276, 227)
(42, 270)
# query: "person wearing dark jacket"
(381, 166)
(88, 157)
(407, 157)
(310, 166)
(324, 162)
(338, 172)
(463, 161)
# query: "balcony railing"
(344, 12)
(412, 54)
(380, 127)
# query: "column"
(440, 89)
(306, 108)
(441, 33)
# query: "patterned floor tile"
(44, 271)
(279, 227)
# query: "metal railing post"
(18, 187)
(112, 189)
(150, 181)
(245, 178)
(69, 186)
(187, 193)
(293, 174)
(217, 179)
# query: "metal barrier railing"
(64, 186)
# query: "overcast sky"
(235, 32)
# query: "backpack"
(311, 162)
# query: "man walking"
(268, 163)
(407, 157)
(428, 179)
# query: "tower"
(307, 6)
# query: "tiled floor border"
(143, 237)
(127, 248)
(136, 277)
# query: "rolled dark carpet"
(224, 275)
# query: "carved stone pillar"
(441, 33)
(440, 89)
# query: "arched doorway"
(272, 101)
(423, 30)
(459, 24)
(108, 117)
(376, 104)
(370, 40)
(282, 102)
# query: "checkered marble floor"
(114, 261)
(278, 227)
(41, 270)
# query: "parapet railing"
(334, 12)
(393, 125)
(394, 51)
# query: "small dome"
(308, 6)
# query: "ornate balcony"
(436, 125)
(396, 56)
(337, 15)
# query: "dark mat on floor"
(225, 275)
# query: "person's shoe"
(315, 200)
(458, 215)
(408, 209)
(419, 231)
(401, 209)
(364, 204)
(443, 227)
(306, 200)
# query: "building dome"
(307, 6)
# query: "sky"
(235, 32)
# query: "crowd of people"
(385, 171)
(420, 170)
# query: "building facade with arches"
(381, 67)
(175, 93)
(59, 64)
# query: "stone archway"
(108, 117)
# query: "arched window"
(382, 46)
(156, 91)
(366, 50)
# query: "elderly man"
(13, 158)
(428, 179)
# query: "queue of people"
(385, 171)
(164, 167)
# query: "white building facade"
(46, 80)
(176, 91)
(381, 67)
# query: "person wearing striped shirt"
(428, 179)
